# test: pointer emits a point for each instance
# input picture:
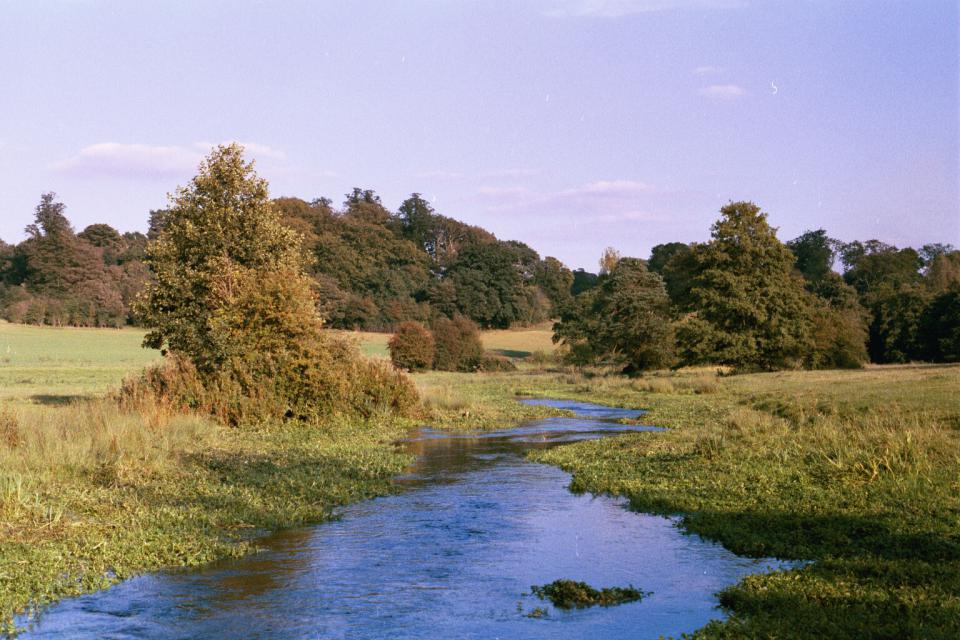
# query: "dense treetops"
(744, 298)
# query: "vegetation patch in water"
(569, 594)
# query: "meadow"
(856, 472)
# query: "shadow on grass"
(872, 577)
(512, 353)
(56, 399)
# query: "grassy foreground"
(91, 494)
(858, 471)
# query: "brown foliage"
(412, 346)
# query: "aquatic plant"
(569, 594)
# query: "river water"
(451, 555)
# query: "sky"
(571, 125)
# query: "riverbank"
(856, 470)
(91, 494)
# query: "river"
(451, 555)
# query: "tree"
(458, 346)
(232, 306)
(624, 321)
(489, 287)
(609, 260)
(222, 222)
(815, 254)
(412, 346)
(556, 281)
(940, 327)
(751, 311)
(582, 281)
(675, 264)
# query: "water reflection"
(449, 557)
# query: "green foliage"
(568, 594)
(676, 264)
(412, 347)
(489, 287)
(582, 281)
(64, 278)
(555, 280)
(624, 321)
(750, 311)
(815, 253)
(235, 310)
(839, 330)
(458, 346)
(222, 222)
(940, 327)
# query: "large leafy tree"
(815, 253)
(489, 288)
(222, 223)
(751, 311)
(624, 321)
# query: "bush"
(457, 344)
(277, 362)
(412, 346)
(494, 362)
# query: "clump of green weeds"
(570, 594)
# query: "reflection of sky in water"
(451, 557)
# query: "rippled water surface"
(450, 556)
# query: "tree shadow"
(56, 399)
(512, 353)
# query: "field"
(44, 365)
(856, 471)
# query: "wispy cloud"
(620, 8)
(439, 174)
(723, 91)
(117, 160)
(141, 161)
(600, 201)
(708, 70)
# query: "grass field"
(46, 365)
(512, 343)
(857, 471)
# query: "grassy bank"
(858, 471)
(91, 494)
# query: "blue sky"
(568, 124)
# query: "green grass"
(47, 365)
(858, 471)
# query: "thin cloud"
(723, 91)
(112, 159)
(620, 8)
(440, 175)
(141, 161)
(708, 70)
(253, 149)
(511, 173)
(609, 188)
(612, 199)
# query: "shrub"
(412, 346)
(277, 362)
(494, 362)
(457, 343)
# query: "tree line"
(371, 268)
(744, 298)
